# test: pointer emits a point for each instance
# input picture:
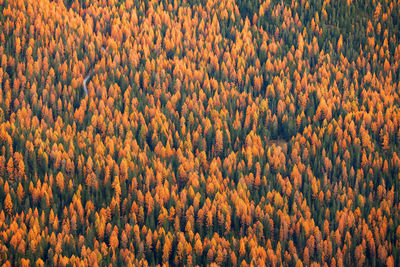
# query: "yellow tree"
(60, 181)
(20, 192)
(8, 204)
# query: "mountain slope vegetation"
(211, 132)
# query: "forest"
(199, 133)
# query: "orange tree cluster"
(213, 132)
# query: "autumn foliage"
(212, 132)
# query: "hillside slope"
(211, 132)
